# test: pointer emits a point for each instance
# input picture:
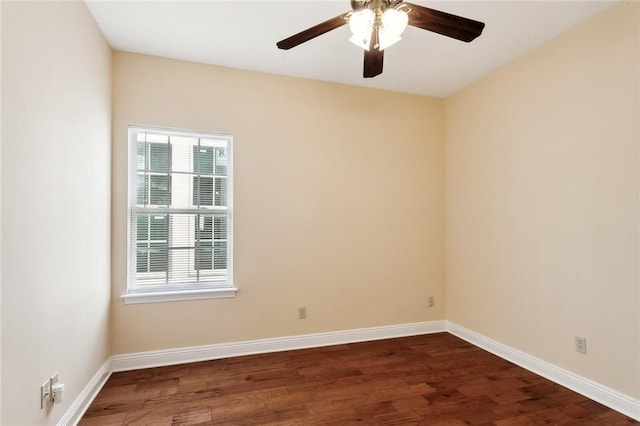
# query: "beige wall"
(542, 185)
(55, 204)
(338, 202)
(0, 216)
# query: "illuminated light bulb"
(394, 22)
(361, 21)
(361, 25)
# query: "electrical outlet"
(45, 391)
(581, 345)
(302, 312)
(432, 301)
(53, 380)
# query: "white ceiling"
(243, 34)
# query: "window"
(180, 215)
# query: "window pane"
(220, 255)
(152, 257)
(142, 189)
(211, 255)
(142, 227)
(202, 191)
(141, 163)
(204, 227)
(203, 159)
(221, 191)
(159, 157)
(158, 257)
(142, 258)
(220, 228)
(221, 161)
(160, 190)
(159, 227)
(203, 257)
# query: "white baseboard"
(159, 358)
(134, 361)
(75, 412)
(593, 390)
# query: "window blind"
(180, 210)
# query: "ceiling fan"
(377, 24)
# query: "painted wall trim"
(593, 390)
(88, 394)
(134, 361)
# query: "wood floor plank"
(433, 380)
(105, 420)
(199, 416)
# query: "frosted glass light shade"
(361, 22)
(394, 22)
(361, 25)
(361, 41)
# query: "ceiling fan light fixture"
(361, 41)
(377, 24)
(394, 22)
(361, 22)
(361, 25)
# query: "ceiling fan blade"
(373, 58)
(444, 23)
(313, 32)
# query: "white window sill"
(178, 295)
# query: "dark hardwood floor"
(434, 379)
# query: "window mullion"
(164, 210)
(170, 229)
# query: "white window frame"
(176, 291)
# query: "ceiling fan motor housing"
(374, 5)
